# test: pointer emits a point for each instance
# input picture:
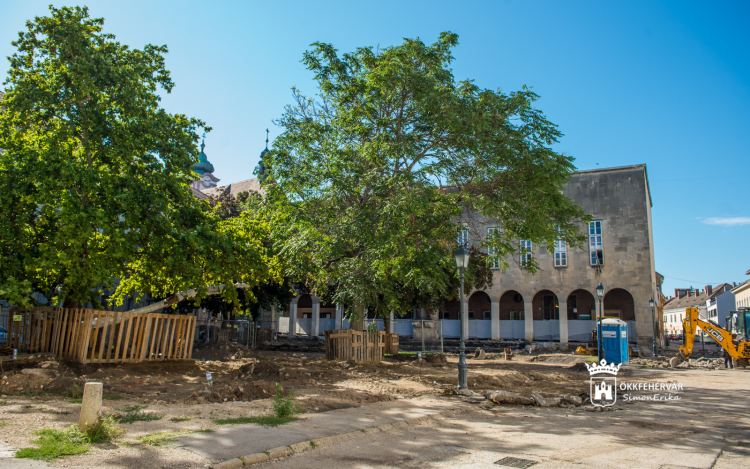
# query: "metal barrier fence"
(427, 337)
(215, 331)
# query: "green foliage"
(233, 421)
(94, 176)
(284, 406)
(368, 184)
(53, 444)
(104, 430)
(136, 414)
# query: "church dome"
(203, 165)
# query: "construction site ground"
(707, 427)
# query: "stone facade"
(621, 200)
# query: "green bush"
(74, 392)
(284, 406)
(104, 430)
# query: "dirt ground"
(40, 393)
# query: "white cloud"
(727, 221)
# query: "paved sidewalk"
(239, 440)
(7, 461)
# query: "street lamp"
(599, 296)
(462, 262)
(653, 321)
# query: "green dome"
(203, 165)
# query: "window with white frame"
(526, 247)
(491, 252)
(463, 237)
(596, 254)
(561, 252)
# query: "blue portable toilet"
(615, 340)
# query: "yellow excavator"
(735, 340)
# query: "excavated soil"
(240, 374)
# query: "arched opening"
(581, 310)
(619, 303)
(546, 310)
(480, 324)
(479, 306)
(581, 306)
(511, 309)
(545, 306)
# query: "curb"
(283, 451)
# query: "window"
(491, 252)
(516, 316)
(596, 255)
(463, 237)
(526, 247)
(486, 315)
(561, 254)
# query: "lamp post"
(600, 297)
(653, 321)
(462, 262)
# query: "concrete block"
(301, 447)
(91, 405)
(340, 438)
(353, 435)
(371, 430)
(231, 464)
(256, 458)
(280, 452)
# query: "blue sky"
(661, 83)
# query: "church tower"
(205, 169)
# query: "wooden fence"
(94, 336)
(360, 346)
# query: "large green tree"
(371, 181)
(94, 176)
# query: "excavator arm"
(692, 322)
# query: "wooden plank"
(101, 327)
(176, 337)
(84, 336)
(127, 328)
(62, 332)
(110, 342)
(117, 356)
(146, 333)
(191, 337)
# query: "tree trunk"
(356, 319)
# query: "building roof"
(741, 286)
(198, 194)
(236, 188)
(719, 289)
(687, 301)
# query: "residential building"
(719, 303)
(674, 308)
(742, 294)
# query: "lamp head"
(600, 291)
(462, 257)
(651, 303)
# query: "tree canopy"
(371, 181)
(95, 176)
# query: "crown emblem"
(602, 367)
